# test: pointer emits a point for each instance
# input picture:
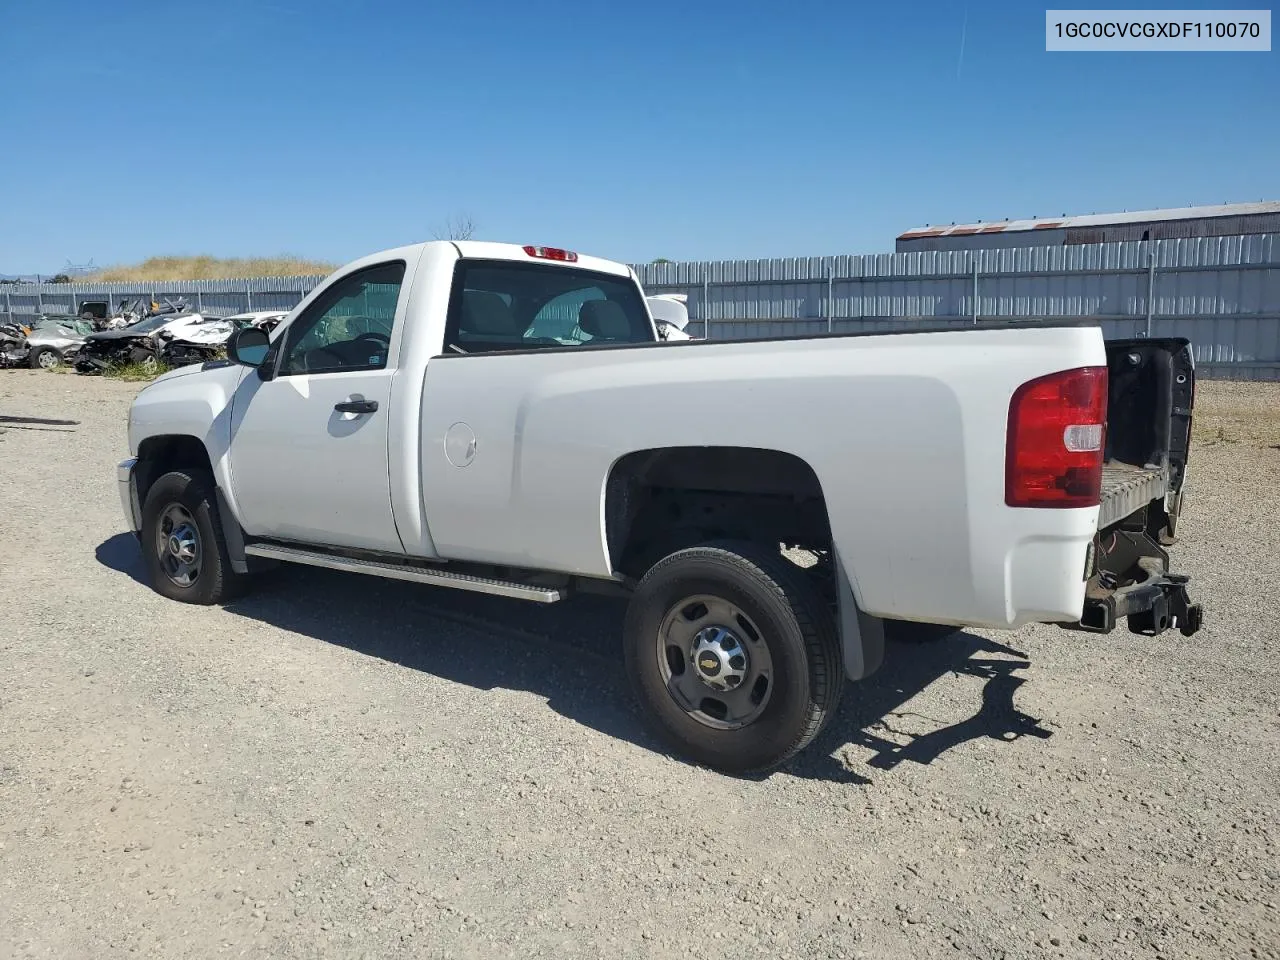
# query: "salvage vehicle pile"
(156, 336)
(152, 336)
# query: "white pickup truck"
(479, 416)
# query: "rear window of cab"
(501, 306)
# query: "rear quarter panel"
(904, 432)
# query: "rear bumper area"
(1159, 602)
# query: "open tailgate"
(1151, 392)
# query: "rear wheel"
(182, 542)
(733, 655)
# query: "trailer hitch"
(1158, 602)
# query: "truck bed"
(1126, 488)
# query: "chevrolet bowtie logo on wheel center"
(719, 659)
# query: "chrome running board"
(403, 571)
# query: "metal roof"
(1093, 220)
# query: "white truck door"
(309, 458)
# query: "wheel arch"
(766, 492)
(159, 454)
(755, 472)
(172, 451)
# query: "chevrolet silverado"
(478, 416)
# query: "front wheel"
(733, 655)
(182, 542)
(45, 358)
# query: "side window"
(349, 326)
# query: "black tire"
(796, 626)
(33, 361)
(191, 492)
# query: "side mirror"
(248, 347)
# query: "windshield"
(70, 323)
(505, 305)
(75, 327)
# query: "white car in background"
(202, 337)
(266, 320)
(670, 312)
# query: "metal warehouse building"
(1227, 220)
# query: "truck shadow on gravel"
(872, 715)
(570, 653)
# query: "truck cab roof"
(488, 250)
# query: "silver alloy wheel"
(178, 545)
(49, 360)
(714, 662)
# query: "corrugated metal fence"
(217, 297)
(1223, 293)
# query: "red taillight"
(1057, 431)
(552, 253)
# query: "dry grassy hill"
(212, 268)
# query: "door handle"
(356, 406)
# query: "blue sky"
(686, 130)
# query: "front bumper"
(181, 354)
(91, 363)
(129, 494)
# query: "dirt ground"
(341, 766)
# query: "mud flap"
(232, 533)
(861, 635)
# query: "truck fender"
(861, 635)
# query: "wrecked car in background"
(13, 344)
(194, 342)
(206, 340)
(54, 341)
(264, 320)
(47, 342)
(137, 343)
(670, 312)
(131, 311)
(169, 339)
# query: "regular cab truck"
(480, 416)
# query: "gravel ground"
(340, 766)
